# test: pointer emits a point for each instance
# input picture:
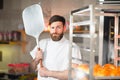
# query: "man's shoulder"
(44, 40)
(43, 43)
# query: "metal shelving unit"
(91, 35)
(102, 9)
(116, 37)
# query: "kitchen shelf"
(81, 23)
(84, 35)
(82, 31)
(12, 42)
(21, 42)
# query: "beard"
(56, 36)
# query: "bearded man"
(54, 52)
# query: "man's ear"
(65, 28)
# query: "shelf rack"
(116, 37)
(100, 10)
(21, 42)
(91, 34)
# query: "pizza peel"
(33, 22)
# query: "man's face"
(56, 30)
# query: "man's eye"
(52, 27)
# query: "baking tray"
(108, 78)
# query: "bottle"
(9, 36)
(1, 36)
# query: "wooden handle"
(41, 65)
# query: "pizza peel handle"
(33, 22)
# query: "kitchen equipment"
(33, 22)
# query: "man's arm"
(34, 64)
(61, 75)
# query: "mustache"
(54, 33)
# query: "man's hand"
(44, 72)
(37, 59)
(38, 55)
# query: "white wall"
(64, 7)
